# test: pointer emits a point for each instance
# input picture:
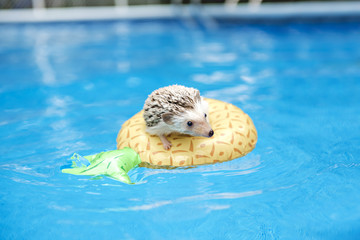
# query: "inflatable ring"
(235, 136)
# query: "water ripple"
(195, 198)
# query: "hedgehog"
(176, 109)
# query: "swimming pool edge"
(275, 11)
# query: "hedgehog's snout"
(211, 133)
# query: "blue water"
(68, 87)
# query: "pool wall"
(274, 11)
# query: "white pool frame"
(242, 11)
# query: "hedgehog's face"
(197, 124)
(194, 122)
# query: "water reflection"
(42, 55)
(235, 167)
(196, 198)
(231, 94)
(58, 106)
(215, 77)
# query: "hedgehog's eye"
(189, 123)
(205, 115)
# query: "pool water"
(68, 87)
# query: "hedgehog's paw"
(167, 145)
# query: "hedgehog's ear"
(168, 118)
(197, 96)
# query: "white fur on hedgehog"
(168, 109)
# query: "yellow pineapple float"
(235, 136)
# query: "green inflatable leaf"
(115, 164)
